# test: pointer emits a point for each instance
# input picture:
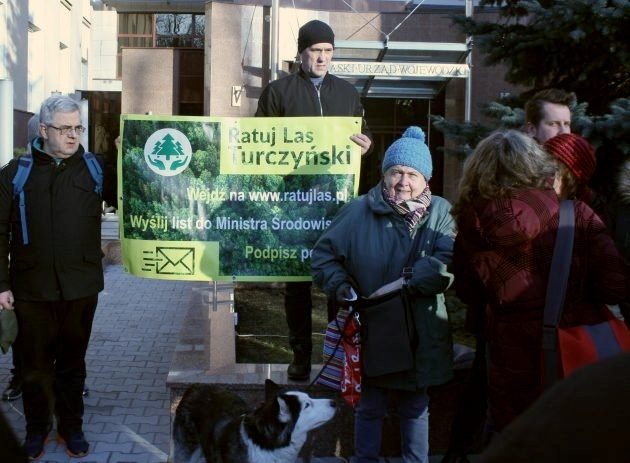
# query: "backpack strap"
(25, 164)
(96, 171)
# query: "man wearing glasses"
(54, 274)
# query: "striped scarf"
(412, 209)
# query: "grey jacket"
(370, 242)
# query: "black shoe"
(76, 445)
(34, 445)
(300, 368)
(13, 390)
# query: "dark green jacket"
(370, 242)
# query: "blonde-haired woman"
(507, 218)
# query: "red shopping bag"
(351, 381)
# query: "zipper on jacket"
(319, 99)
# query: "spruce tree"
(575, 45)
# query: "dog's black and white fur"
(220, 424)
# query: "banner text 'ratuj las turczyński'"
(231, 199)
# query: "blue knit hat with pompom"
(410, 151)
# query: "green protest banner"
(231, 199)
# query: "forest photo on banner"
(231, 199)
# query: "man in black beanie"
(312, 91)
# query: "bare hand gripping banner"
(231, 199)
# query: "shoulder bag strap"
(557, 287)
(408, 268)
(407, 272)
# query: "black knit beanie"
(315, 32)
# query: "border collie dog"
(220, 424)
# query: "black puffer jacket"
(63, 259)
(295, 96)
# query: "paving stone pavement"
(127, 410)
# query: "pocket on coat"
(22, 264)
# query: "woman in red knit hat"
(576, 164)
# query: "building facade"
(214, 58)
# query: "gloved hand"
(345, 293)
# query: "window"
(180, 30)
(168, 30)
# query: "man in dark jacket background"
(13, 391)
(312, 91)
(52, 282)
(548, 113)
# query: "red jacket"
(502, 257)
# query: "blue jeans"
(413, 411)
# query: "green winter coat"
(369, 241)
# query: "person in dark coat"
(13, 391)
(367, 245)
(611, 186)
(52, 280)
(312, 91)
(507, 219)
(548, 113)
(621, 223)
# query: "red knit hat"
(575, 152)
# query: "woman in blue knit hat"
(365, 248)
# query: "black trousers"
(470, 416)
(52, 341)
(298, 309)
(16, 371)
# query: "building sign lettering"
(401, 69)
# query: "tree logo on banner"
(167, 152)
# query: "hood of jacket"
(512, 219)
(40, 156)
(376, 202)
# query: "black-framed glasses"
(64, 129)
